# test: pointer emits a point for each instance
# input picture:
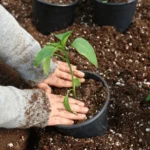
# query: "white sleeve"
(18, 48)
(23, 108)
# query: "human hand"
(62, 76)
(60, 116)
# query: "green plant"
(82, 46)
(148, 97)
(104, 1)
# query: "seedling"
(82, 46)
(148, 97)
(104, 1)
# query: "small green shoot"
(104, 1)
(65, 102)
(148, 97)
(82, 46)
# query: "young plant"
(104, 1)
(82, 46)
(148, 97)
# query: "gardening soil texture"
(124, 62)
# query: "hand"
(62, 76)
(60, 116)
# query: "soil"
(124, 62)
(9, 77)
(60, 1)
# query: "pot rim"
(99, 113)
(58, 5)
(118, 4)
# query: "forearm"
(23, 108)
(18, 48)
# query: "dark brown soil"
(9, 77)
(15, 139)
(124, 61)
(60, 1)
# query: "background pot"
(119, 15)
(49, 17)
(95, 126)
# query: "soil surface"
(124, 62)
(60, 1)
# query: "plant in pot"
(53, 15)
(117, 13)
(97, 125)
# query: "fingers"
(60, 116)
(78, 74)
(56, 120)
(71, 116)
(55, 81)
(64, 67)
(74, 108)
(59, 98)
(63, 75)
(62, 64)
(68, 76)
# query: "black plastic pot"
(96, 126)
(49, 17)
(119, 15)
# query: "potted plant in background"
(51, 15)
(148, 97)
(117, 13)
(97, 125)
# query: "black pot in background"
(96, 126)
(119, 15)
(49, 17)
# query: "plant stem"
(60, 57)
(69, 65)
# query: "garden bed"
(124, 61)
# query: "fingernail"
(86, 109)
(82, 74)
(82, 80)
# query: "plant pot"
(96, 126)
(119, 15)
(49, 17)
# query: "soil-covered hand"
(60, 116)
(61, 77)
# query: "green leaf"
(46, 65)
(58, 45)
(66, 102)
(148, 97)
(47, 51)
(84, 48)
(77, 82)
(63, 37)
